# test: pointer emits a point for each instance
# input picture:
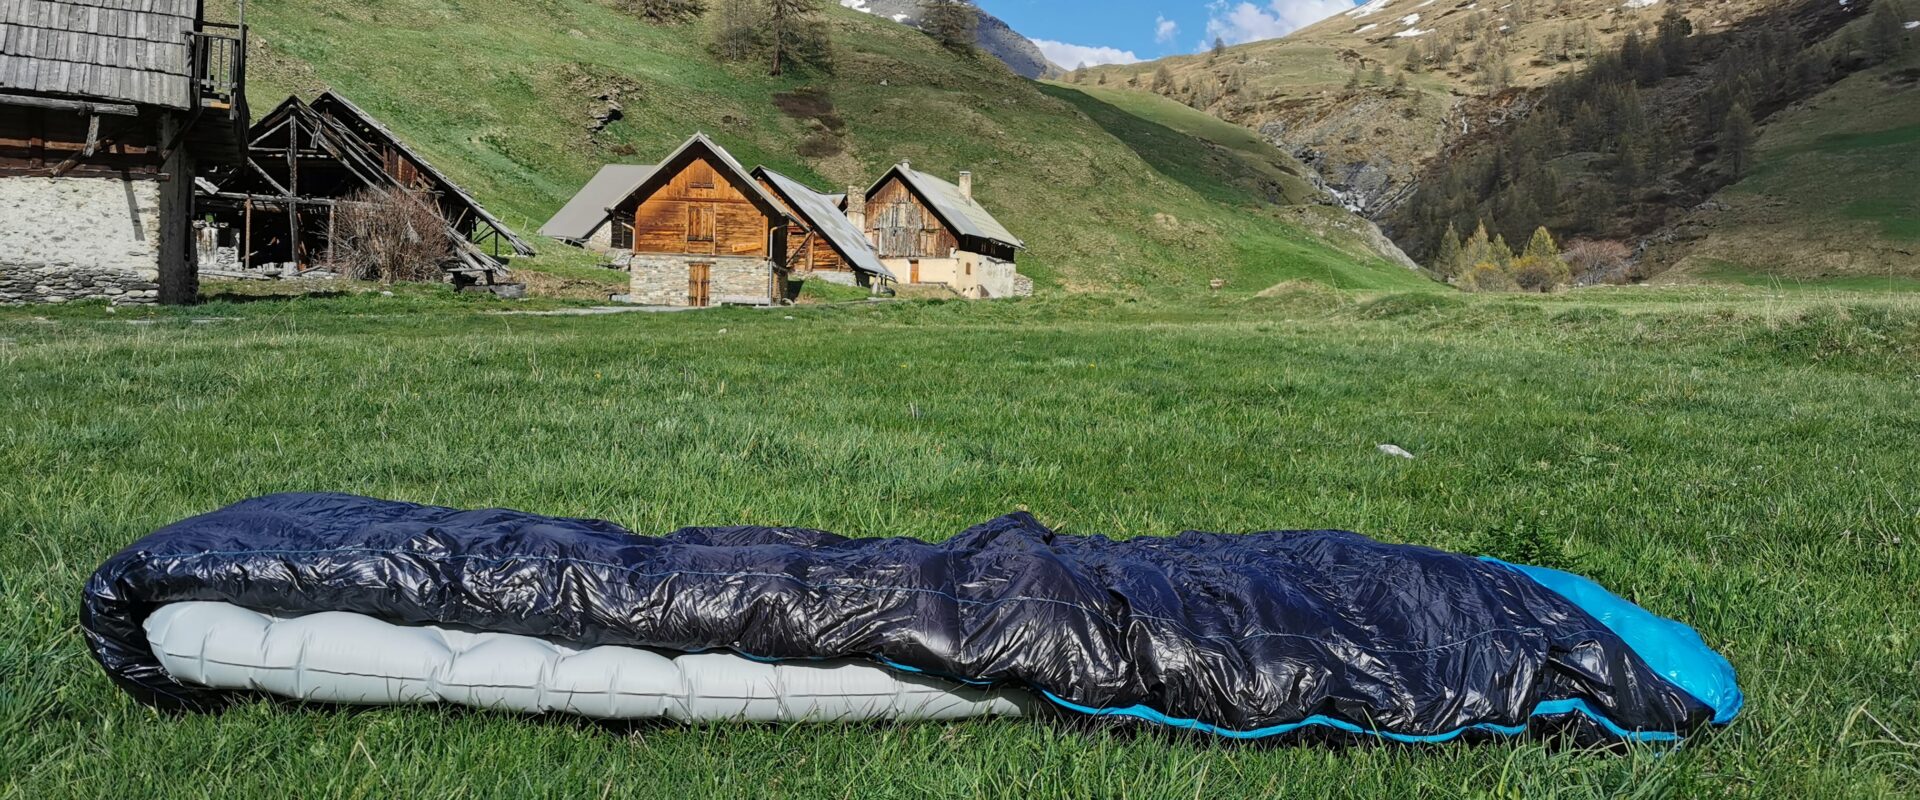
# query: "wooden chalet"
(821, 240)
(927, 230)
(704, 231)
(109, 109)
(274, 212)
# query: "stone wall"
(81, 239)
(661, 280)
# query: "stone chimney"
(966, 185)
(857, 206)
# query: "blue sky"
(1072, 32)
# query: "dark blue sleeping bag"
(1245, 636)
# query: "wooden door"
(914, 267)
(699, 285)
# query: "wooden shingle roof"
(131, 51)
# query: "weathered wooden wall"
(700, 211)
(33, 141)
(903, 227)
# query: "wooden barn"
(927, 230)
(704, 232)
(109, 109)
(821, 241)
(275, 211)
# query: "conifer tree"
(955, 24)
(1502, 253)
(1886, 32)
(1446, 261)
(1737, 140)
(794, 33)
(1542, 246)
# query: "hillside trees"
(663, 12)
(795, 34)
(955, 24)
(1487, 264)
(1607, 152)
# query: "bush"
(1540, 274)
(1599, 260)
(388, 235)
(1487, 276)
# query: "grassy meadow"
(1740, 459)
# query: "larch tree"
(1737, 139)
(794, 33)
(955, 24)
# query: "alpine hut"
(927, 230)
(108, 111)
(822, 241)
(703, 230)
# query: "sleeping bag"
(337, 598)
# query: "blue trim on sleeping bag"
(1670, 648)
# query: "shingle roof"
(582, 215)
(133, 51)
(820, 212)
(965, 214)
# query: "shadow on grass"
(1200, 165)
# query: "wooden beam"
(81, 106)
(93, 143)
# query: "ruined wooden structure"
(109, 109)
(306, 160)
(927, 230)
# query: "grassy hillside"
(1834, 198)
(1740, 462)
(500, 94)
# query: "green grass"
(1732, 458)
(498, 93)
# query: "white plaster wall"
(100, 223)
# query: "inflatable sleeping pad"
(337, 598)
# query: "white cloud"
(1239, 23)
(1165, 30)
(1072, 56)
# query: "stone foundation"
(67, 239)
(662, 280)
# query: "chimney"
(857, 206)
(966, 185)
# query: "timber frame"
(305, 160)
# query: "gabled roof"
(820, 213)
(587, 211)
(116, 50)
(965, 215)
(671, 165)
(334, 105)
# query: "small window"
(700, 223)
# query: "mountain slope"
(512, 118)
(1832, 199)
(995, 38)
(1371, 141)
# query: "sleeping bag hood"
(1244, 636)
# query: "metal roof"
(587, 211)
(965, 214)
(133, 51)
(820, 213)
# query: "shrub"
(663, 12)
(390, 234)
(1540, 274)
(1487, 276)
(1599, 260)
